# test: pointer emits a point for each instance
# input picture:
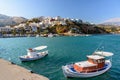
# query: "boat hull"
(23, 59)
(69, 73)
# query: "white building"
(44, 25)
(34, 26)
(5, 29)
(20, 25)
(58, 18)
(63, 22)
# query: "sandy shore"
(10, 71)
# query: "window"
(99, 61)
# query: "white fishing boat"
(95, 65)
(34, 54)
(37, 35)
(50, 35)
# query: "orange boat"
(95, 65)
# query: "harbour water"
(62, 50)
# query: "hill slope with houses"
(54, 25)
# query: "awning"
(103, 53)
(40, 47)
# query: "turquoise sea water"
(62, 50)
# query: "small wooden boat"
(33, 54)
(95, 65)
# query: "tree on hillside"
(113, 29)
(45, 32)
(62, 29)
(38, 30)
(69, 22)
(52, 29)
(36, 20)
(22, 31)
(14, 32)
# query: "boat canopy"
(103, 53)
(96, 57)
(40, 47)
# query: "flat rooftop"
(85, 64)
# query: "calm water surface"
(62, 50)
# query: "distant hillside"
(7, 20)
(113, 22)
(55, 25)
(111, 27)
